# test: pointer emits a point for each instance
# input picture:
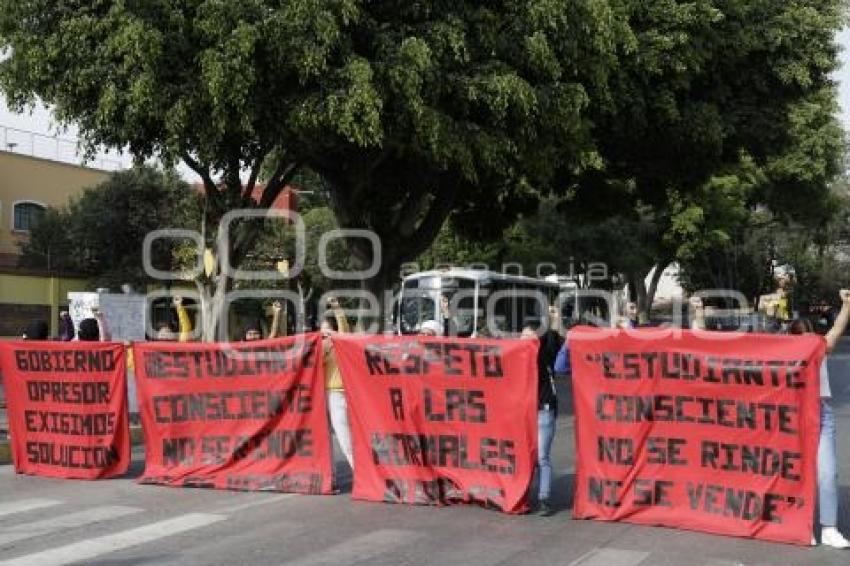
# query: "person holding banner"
(253, 330)
(827, 458)
(430, 328)
(91, 329)
(827, 452)
(36, 331)
(337, 406)
(66, 327)
(547, 409)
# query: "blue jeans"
(827, 468)
(545, 435)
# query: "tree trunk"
(640, 295)
(379, 288)
(646, 310)
(213, 305)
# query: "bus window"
(416, 308)
(500, 301)
(528, 303)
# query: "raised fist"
(276, 306)
(333, 302)
(178, 301)
(845, 295)
(696, 302)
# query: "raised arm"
(339, 315)
(184, 323)
(102, 328)
(276, 308)
(698, 309)
(841, 321)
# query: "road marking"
(94, 547)
(21, 531)
(22, 505)
(252, 504)
(611, 557)
(358, 549)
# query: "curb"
(137, 438)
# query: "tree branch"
(257, 166)
(210, 188)
(250, 231)
(424, 235)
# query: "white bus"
(470, 297)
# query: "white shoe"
(814, 541)
(830, 536)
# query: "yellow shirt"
(185, 324)
(333, 377)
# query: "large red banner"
(245, 416)
(438, 421)
(67, 408)
(706, 431)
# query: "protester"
(276, 309)
(36, 331)
(90, 329)
(777, 305)
(66, 327)
(827, 452)
(253, 330)
(697, 314)
(449, 326)
(547, 409)
(827, 457)
(183, 332)
(631, 318)
(337, 406)
(430, 328)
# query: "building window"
(27, 215)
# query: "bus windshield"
(416, 307)
(448, 300)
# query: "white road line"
(257, 503)
(611, 557)
(22, 505)
(94, 547)
(358, 549)
(22, 531)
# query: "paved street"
(117, 522)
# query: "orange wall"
(31, 178)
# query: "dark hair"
(66, 329)
(170, 326)
(36, 331)
(800, 326)
(331, 320)
(89, 331)
(253, 326)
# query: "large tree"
(705, 85)
(408, 110)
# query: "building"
(28, 185)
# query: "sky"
(40, 122)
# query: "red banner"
(67, 408)
(705, 431)
(245, 416)
(439, 421)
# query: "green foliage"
(407, 111)
(659, 126)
